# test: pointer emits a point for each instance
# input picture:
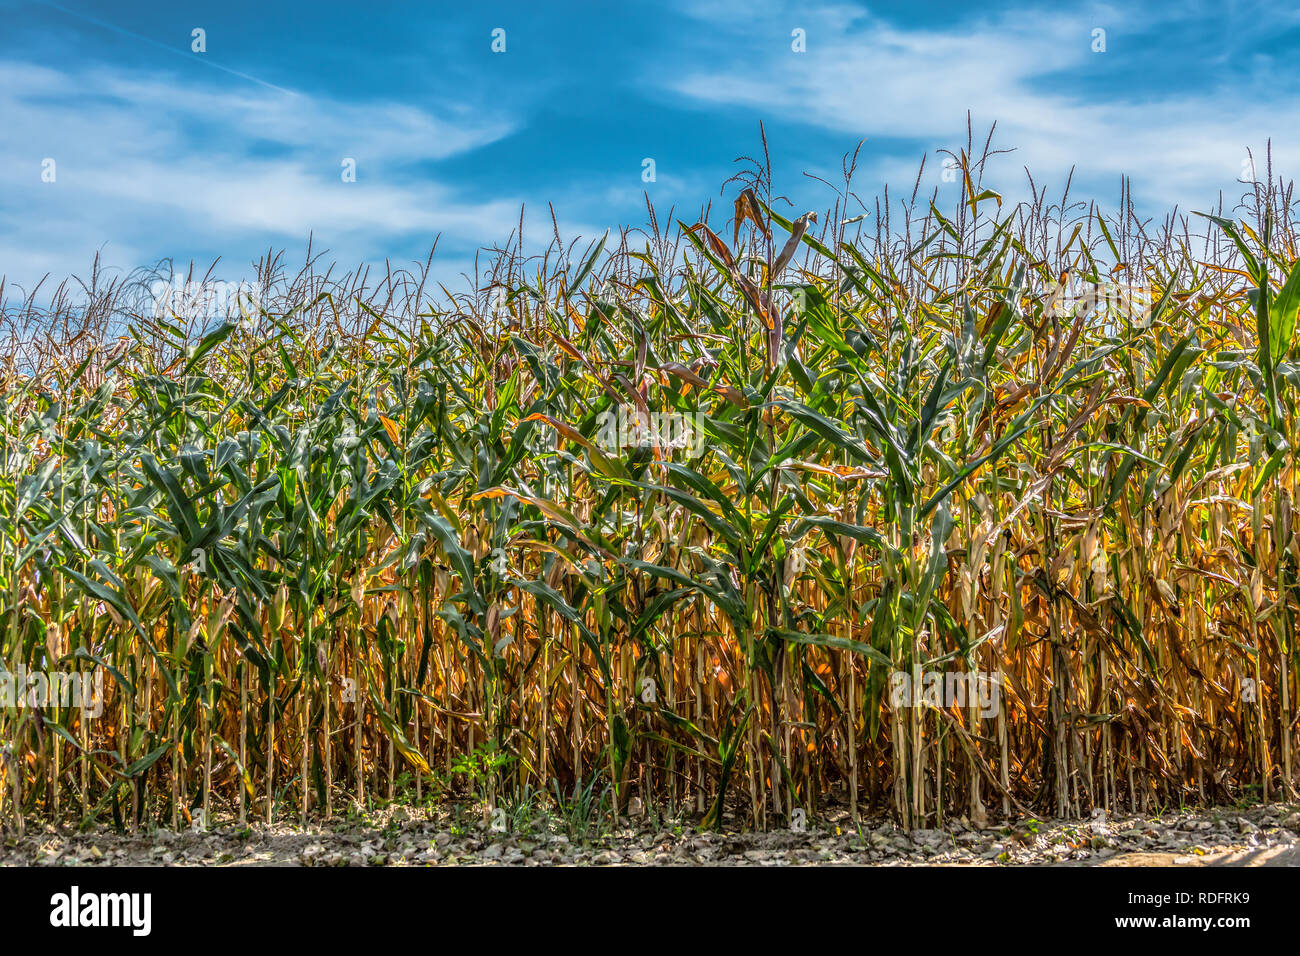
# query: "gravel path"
(1258, 836)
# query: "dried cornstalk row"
(907, 532)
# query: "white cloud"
(866, 77)
(145, 165)
(149, 167)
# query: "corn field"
(359, 543)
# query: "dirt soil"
(402, 836)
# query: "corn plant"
(356, 536)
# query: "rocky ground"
(1265, 835)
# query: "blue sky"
(164, 152)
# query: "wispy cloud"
(1033, 73)
(175, 159)
(137, 154)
